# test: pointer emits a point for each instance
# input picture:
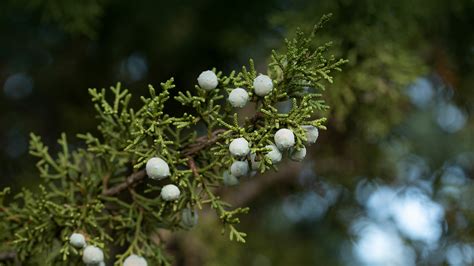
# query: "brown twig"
(129, 181)
(202, 143)
(192, 166)
(189, 151)
(256, 118)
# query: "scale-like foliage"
(102, 190)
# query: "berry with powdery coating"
(312, 133)
(262, 85)
(207, 80)
(77, 240)
(189, 217)
(239, 168)
(274, 154)
(284, 139)
(298, 155)
(229, 179)
(170, 192)
(135, 260)
(157, 168)
(238, 97)
(92, 255)
(239, 147)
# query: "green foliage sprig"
(102, 192)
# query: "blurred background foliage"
(391, 180)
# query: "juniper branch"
(200, 144)
(130, 181)
(76, 196)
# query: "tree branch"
(189, 151)
(192, 166)
(202, 143)
(129, 181)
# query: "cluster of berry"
(238, 97)
(94, 256)
(284, 141)
(157, 168)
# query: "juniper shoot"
(150, 170)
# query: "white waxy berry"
(135, 260)
(189, 217)
(284, 139)
(239, 147)
(262, 85)
(170, 192)
(239, 168)
(77, 240)
(298, 155)
(312, 133)
(157, 168)
(207, 80)
(238, 97)
(92, 255)
(274, 154)
(229, 179)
